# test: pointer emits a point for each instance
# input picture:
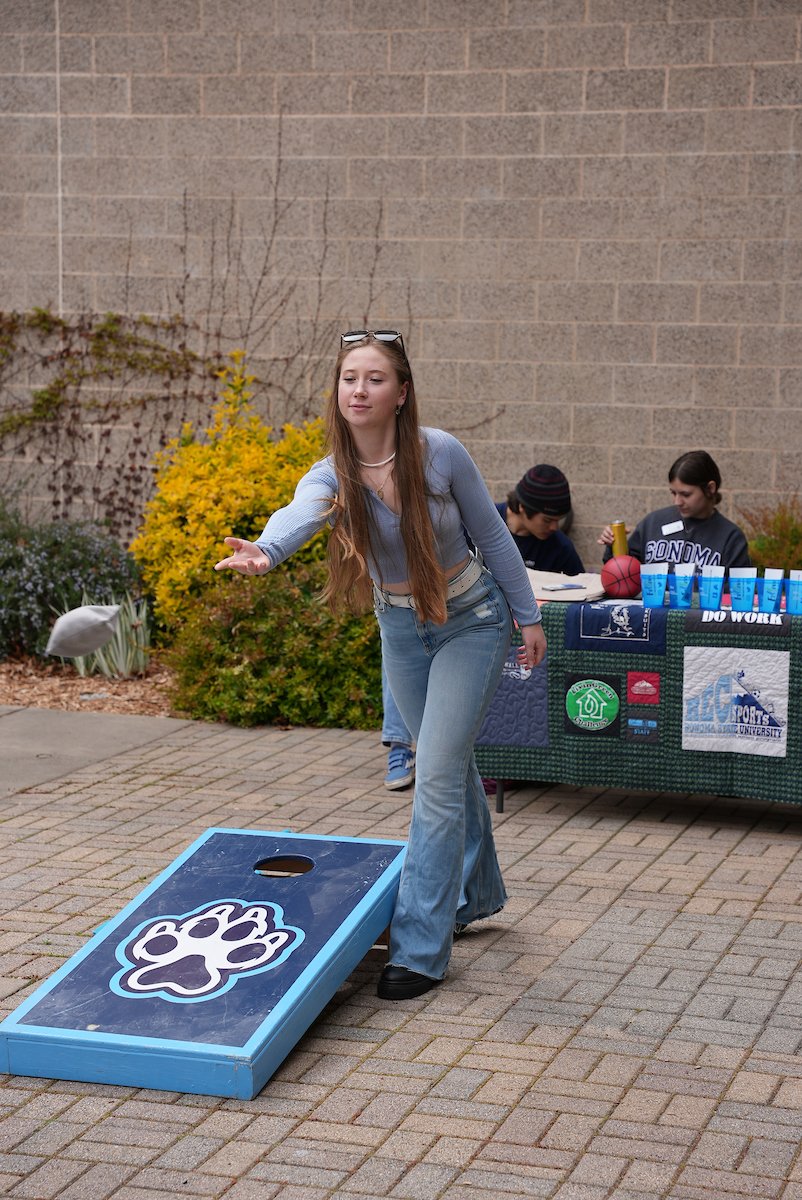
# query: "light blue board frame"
(202, 1069)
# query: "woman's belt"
(456, 586)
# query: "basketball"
(620, 577)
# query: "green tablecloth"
(586, 758)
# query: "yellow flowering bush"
(226, 481)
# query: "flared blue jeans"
(443, 678)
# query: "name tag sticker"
(673, 527)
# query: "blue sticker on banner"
(613, 625)
(644, 731)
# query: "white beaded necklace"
(383, 462)
(379, 488)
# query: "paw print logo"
(203, 953)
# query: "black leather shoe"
(399, 983)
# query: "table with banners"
(655, 699)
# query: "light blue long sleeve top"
(458, 502)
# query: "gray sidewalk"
(628, 1027)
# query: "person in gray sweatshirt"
(691, 530)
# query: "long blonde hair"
(354, 530)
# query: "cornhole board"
(208, 978)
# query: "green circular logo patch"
(591, 704)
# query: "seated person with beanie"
(534, 512)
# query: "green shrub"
(267, 650)
(774, 532)
(46, 568)
(226, 481)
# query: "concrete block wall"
(588, 211)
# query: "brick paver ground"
(628, 1027)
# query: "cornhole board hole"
(208, 978)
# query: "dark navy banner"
(519, 711)
(614, 625)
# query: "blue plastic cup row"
(793, 595)
(742, 591)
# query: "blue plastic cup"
(793, 593)
(711, 585)
(653, 578)
(769, 592)
(680, 587)
(742, 588)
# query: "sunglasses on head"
(379, 335)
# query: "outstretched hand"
(247, 558)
